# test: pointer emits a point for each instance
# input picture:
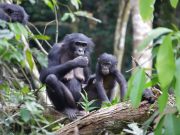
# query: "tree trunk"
(114, 119)
(140, 30)
(120, 32)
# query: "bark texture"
(113, 119)
(120, 32)
(140, 31)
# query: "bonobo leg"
(63, 99)
(75, 88)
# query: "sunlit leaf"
(5, 33)
(75, 3)
(49, 4)
(177, 85)
(155, 33)
(25, 115)
(41, 37)
(146, 8)
(65, 17)
(165, 63)
(138, 85)
(18, 29)
(29, 59)
(25, 89)
(174, 3)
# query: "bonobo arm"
(86, 74)
(100, 89)
(62, 69)
(122, 82)
(112, 93)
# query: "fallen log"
(113, 118)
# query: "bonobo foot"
(71, 113)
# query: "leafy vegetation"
(20, 63)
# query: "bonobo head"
(77, 44)
(14, 13)
(106, 63)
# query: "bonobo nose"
(80, 51)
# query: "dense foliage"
(24, 53)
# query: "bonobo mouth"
(105, 72)
(76, 54)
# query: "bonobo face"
(79, 48)
(107, 63)
(105, 67)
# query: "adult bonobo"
(101, 86)
(67, 71)
(13, 13)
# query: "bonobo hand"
(113, 70)
(81, 61)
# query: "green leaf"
(91, 102)
(49, 4)
(75, 3)
(165, 63)
(130, 86)
(162, 100)
(152, 82)
(5, 33)
(155, 33)
(18, 29)
(146, 8)
(177, 85)
(171, 124)
(29, 59)
(41, 37)
(25, 115)
(40, 57)
(92, 108)
(25, 89)
(138, 85)
(174, 3)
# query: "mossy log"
(113, 118)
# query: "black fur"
(101, 86)
(13, 13)
(63, 91)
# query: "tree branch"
(113, 119)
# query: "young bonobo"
(67, 71)
(101, 86)
(13, 13)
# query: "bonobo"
(13, 13)
(67, 71)
(149, 96)
(101, 86)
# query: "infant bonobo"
(101, 86)
(68, 69)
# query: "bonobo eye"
(8, 11)
(81, 43)
(106, 64)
